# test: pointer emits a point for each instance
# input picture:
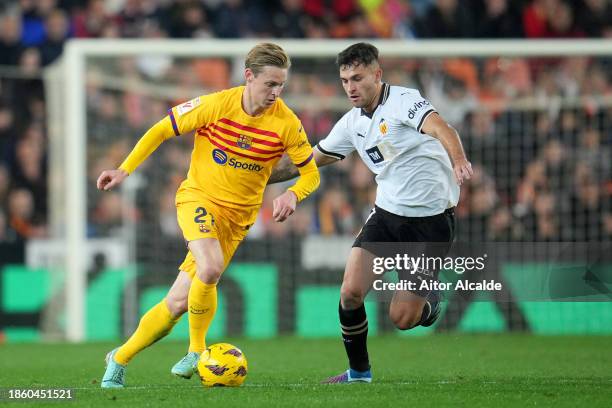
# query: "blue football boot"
(186, 367)
(350, 376)
(114, 376)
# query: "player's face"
(361, 83)
(266, 87)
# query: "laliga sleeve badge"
(187, 106)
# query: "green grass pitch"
(440, 370)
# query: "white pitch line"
(301, 385)
(256, 385)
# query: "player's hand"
(110, 178)
(283, 206)
(463, 170)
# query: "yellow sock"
(202, 303)
(154, 325)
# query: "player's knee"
(351, 297)
(209, 273)
(403, 319)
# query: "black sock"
(354, 326)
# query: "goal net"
(534, 118)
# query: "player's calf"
(406, 315)
(176, 306)
(404, 318)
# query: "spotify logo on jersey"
(219, 156)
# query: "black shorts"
(418, 236)
(383, 226)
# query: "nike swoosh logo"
(360, 135)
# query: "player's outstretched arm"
(147, 144)
(437, 127)
(286, 170)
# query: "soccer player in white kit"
(419, 164)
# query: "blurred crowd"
(42, 26)
(537, 131)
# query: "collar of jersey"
(384, 95)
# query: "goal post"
(70, 165)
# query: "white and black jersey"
(413, 171)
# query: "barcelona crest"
(244, 142)
(382, 126)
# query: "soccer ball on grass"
(222, 364)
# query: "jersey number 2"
(200, 214)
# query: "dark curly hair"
(357, 54)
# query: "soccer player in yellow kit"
(241, 133)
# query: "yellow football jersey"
(234, 153)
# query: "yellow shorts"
(200, 218)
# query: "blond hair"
(264, 55)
